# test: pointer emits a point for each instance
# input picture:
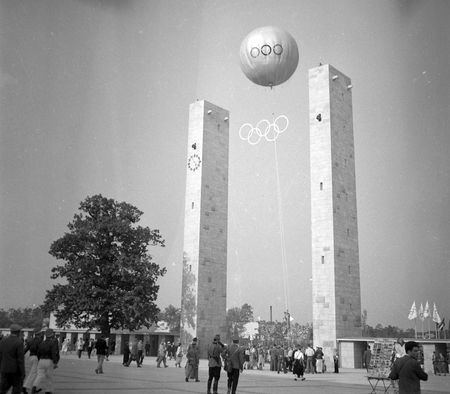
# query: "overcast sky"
(95, 99)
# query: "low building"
(351, 350)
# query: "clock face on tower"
(194, 162)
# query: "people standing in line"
(162, 355)
(140, 353)
(234, 355)
(299, 364)
(336, 361)
(179, 356)
(193, 359)
(48, 355)
(12, 364)
(214, 364)
(309, 359)
(101, 348)
(408, 371)
(80, 346)
(32, 346)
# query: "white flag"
(436, 317)
(421, 312)
(426, 312)
(413, 312)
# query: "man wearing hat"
(12, 365)
(235, 357)
(32, 346)
(193, 359)
(215, 349)
(48, 355)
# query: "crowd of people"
(44, 355)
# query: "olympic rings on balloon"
(263, 129)
(266, 50)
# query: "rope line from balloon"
(263, 129)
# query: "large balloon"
(269, 56)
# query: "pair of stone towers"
(335, 261)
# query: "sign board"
(380, 362)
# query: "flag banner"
(426, 312)
(436, 317)
(413, 312)
(421, 312)
(441, 325)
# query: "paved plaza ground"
(75, 376)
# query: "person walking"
(162, 355)
(235, 358)
(65, 346)
(32, 346)
(12, 364)
(90, 347)
(80, 346)
(179, 356)
(140, 353)
(407, 370)
(101, 348)
(133, 353)
(193, 359)
(214, 364)
(48, 355)
(299, 364)
(126, 354)
(367, 356)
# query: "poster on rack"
(380, 362)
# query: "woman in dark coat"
(299, 364)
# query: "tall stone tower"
(204, 285)
(335, 257)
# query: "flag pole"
(415, 326)
(429, 333)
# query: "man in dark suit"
(12, 365)
(48, 355)
(408, 370)
(235, 356)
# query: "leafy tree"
(171, 315)
(237, 317)
(110, 277)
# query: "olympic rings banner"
(263, 129)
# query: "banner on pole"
(413, 312)
(421, 312)
(436, 317)
(426, 312)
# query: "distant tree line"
(25, 317)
